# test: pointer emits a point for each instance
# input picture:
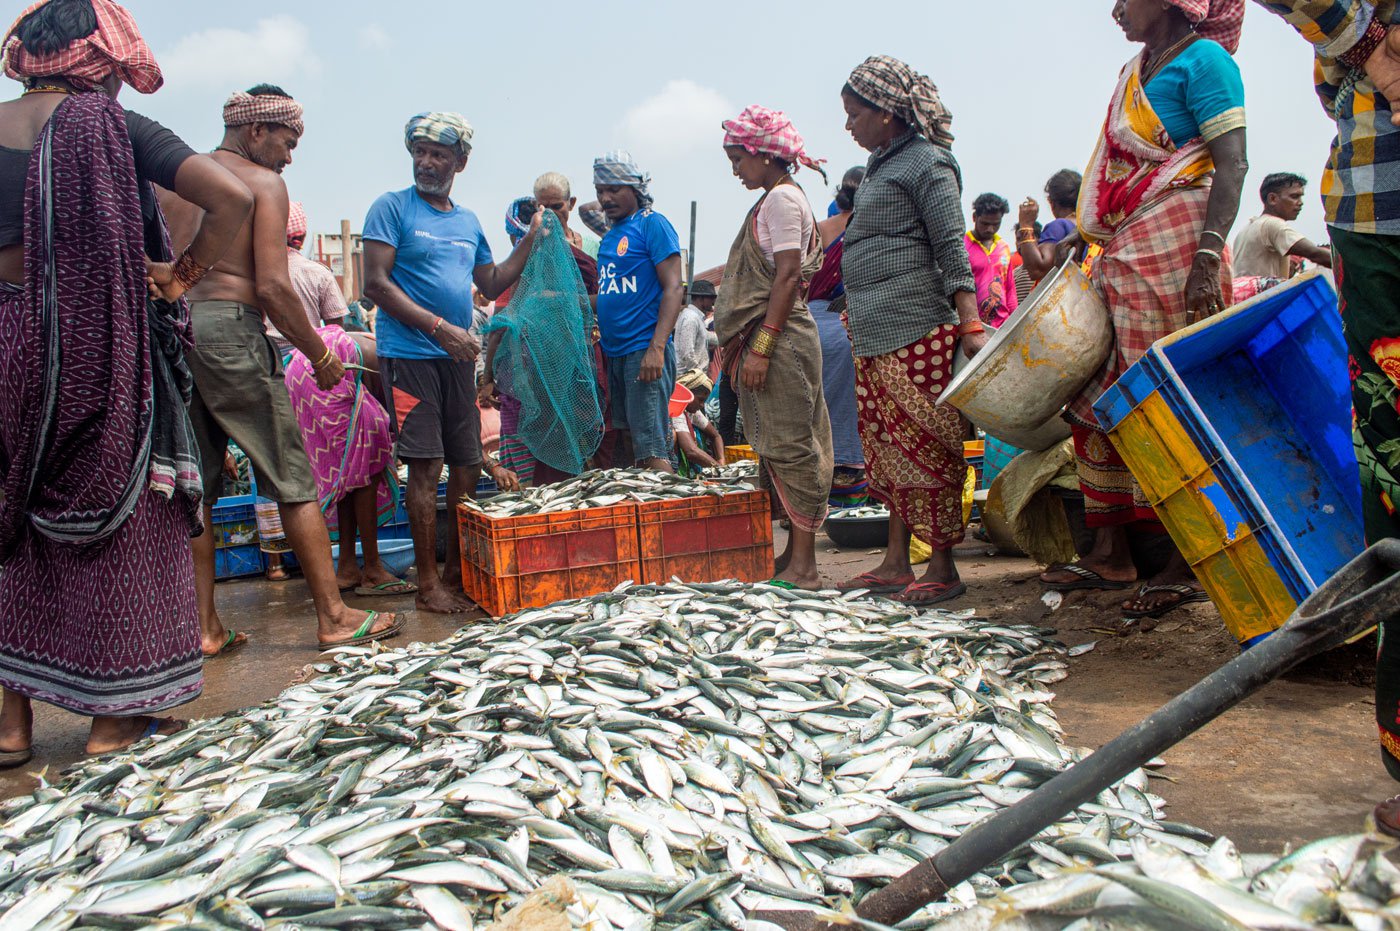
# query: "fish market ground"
(1295, 763)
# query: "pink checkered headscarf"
(1219, 20)
(761, 131)
(296, 223)
(116, 46)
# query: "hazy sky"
(550, 85)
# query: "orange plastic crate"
(707, 539)
(738, 453)
(512, 563)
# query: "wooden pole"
(690, 257)
(348, 285)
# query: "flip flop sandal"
(870, 582)
(940, 591)
(393, 587)
(9, 759)
(229, 645)
(363, 634)
(1387, 817)
(1087, 579)
(1185, 595)
(782, 583)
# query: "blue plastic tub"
(396, 555)
(1262, 391)
(236, 562)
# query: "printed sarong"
(913, 446)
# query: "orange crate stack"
(739, 453)
(707, 539)
(533, 560)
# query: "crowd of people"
(159, 314)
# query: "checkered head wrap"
(115, 47)
(296, 223)
(618, 169)
(1218, 20)
(449, 129)
(895, 87)
(761, 131)
(243, 109)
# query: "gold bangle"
(763, 344)
(324, 359)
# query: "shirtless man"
(239, 393)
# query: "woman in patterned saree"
(101, 476)
(911, 303)
(1160, 195)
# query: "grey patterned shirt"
(904, 257)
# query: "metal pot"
(1042, 356)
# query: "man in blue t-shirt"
(422, 255)
(639, 299)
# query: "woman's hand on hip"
(1204, 295)
(755, 373)
(972, 343)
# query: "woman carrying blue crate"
(1160, 195)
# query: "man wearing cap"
(239, 392)
(692, 328)
(423, 253)
(639, 299)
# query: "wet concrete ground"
(1296, 762)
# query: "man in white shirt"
(692, 343)
(1263, 248)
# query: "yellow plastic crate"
(1189, 500)
(734, 454)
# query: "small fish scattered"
(601, 488)
(742, 469)
(684, 753)
(867, 512)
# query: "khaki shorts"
(239, 394)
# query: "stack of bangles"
(1025, 235)
(972, 326)
(187, 271)
(324, 360)
(765, 341)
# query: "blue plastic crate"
(1263, 393)
(235, 522)
(236, 562)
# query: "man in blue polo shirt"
(422, 255)
(639, 299)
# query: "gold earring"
(767, 161)
(887, 121)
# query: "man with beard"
(422, 255)
(239, 393)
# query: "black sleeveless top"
(159, 154)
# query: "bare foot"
(347, 578)
(346, 625)
(16, 723)
(441, 600)
(278, 573)
(109, 734)
(227, 643)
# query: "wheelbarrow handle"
(1362, 594)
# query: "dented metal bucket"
(1043, 355)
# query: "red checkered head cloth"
(115, 46)
(1218, 20)
(761, 131)
(243, 108)
(296, 223)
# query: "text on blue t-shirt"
(436, 255)
(629, 291)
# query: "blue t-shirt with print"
(629, 292)
(436, 255)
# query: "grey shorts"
(239, 395)
(433, 408)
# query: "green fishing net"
(545, 359)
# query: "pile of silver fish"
(684, 753)
(867, 512)
(744, 468)
(600, 488)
